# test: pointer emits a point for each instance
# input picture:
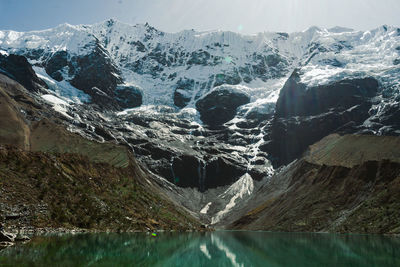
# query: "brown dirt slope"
(13, 127)
(351, 150)
(358, 194)
(46, 135)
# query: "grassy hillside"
(69, 190)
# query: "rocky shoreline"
(13, 236)
(8, 238)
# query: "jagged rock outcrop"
(96, 70)
(178, 151)
(58, 65)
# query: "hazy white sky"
(246, 16)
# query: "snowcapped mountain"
(168, 68)
(176, 69)
(212, 110)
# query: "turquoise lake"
(221, 248)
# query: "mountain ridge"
(149, 91)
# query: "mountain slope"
(211, 114)
(51, 177)
(341, 185)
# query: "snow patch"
(242, 187)
(58, 104)
(206, 208)
(63, 89)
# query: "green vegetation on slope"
(68, 190)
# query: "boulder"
(187, 171)
(219, 106)
(6, 237)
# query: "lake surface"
(222, 248)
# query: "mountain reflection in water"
(222, 248)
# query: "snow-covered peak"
(63, 37)
(190, 63)
(353, 54)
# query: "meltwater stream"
(222, 248)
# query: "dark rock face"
(182, 86)
(187, 171)
(296, 99)
(220, 105)
(18, 68)
(96, 70)
(187, 154)
(387, 120)
(291, 137)
(129, 96)
(304, 115)
(96, 75)
(222, 172)
(55, 65)
(190, 171)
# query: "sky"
(244, 16)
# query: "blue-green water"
(205, 249)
